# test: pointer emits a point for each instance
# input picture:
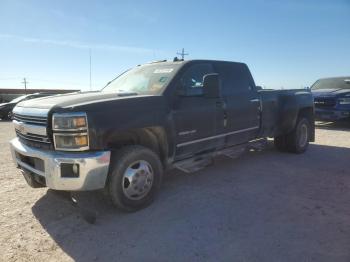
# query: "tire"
(6, 116)
(134, 178)
(9, 115)
(298, 140)
(280, 143)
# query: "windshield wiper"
(127, 94)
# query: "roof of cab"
(336, 77)
(180, 61)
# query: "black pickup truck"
(152, 118)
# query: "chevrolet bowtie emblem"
(21, 129)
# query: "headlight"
(70, 131)
(344, 101)
(67, 122)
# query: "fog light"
(69, 170)
(75, 169)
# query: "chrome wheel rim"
(303, 135)
(137, 180)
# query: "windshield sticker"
(155, 87)
(163, 79)
(163, 71)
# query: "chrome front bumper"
(93, 166)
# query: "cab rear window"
(235, 77)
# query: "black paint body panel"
(175, 120)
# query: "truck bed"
(279, 107)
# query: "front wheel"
(135, 177)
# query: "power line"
(53, 81)
(9, 78)
(90, 67)
(34, 81)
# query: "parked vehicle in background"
(6, 108)
(332, 98)
(152, 118)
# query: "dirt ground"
(263, 206)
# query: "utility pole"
(182, 54)
(25, 85)
(90, 67)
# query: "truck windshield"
(332, 83)
(145, 80)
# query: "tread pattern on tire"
(292, 138)
(289, 142)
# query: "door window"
(192, 79)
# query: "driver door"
(196, 117)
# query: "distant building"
(9, 94)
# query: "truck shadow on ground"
(230, 209)
(343, 125)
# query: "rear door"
(196, 117)
(242, 106)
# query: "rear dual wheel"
(298, 140)
(135, 177)
(9, 115)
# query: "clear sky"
(286, 43)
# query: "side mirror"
(211, 86)
(258, 88)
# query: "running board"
(199, 162)
(258, 145)
(233, 152)
(194, 164)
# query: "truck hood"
(72, 100)
(330, 92)
(6, 105)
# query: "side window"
(236, 78)
(192, 79)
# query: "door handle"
(255, 100)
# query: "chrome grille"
(35, 120)
(325, 102)
(31, 128)
(33, 137)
